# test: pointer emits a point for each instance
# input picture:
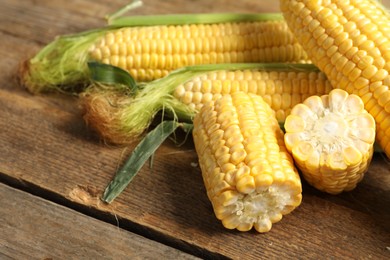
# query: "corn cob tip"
(59, 66)
(32, 77)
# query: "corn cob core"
(349, 41)
(280, 89)
(331, 139)
(250, 177)
(150, 52)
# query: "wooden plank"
(45, 146)
(34, 228)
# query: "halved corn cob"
(331, 139)
(349, 41)
(119, 118)
(148, 48)
(249, 176)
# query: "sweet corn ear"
(331, 139)
(149, 47)
(250, 177)
(120, 117)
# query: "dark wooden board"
(46, 149)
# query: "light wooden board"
(46, 149)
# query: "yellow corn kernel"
(250, 178)
(165, 48)
(275, 87)
(357, 53)
(331, 139)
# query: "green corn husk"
(120, 117)
(62, 64)
(142, 152)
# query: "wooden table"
(53, 170)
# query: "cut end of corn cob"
(331, 139)
(250, 177)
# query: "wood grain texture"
(33, 228)
(46, 146)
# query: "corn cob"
(331, 139)
(249, 175)
(149, 53)
(119, 118)
(349, 41)
(281, 90)
(148, 47)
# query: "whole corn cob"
(349, 41)
(249, 176)
(119, 117)
(331, 139)
(148, 47)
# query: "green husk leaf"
(61, 65)
(144, 150)
(201, 18)
(108, 74)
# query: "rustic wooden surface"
(47, 150)
(47, 230)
